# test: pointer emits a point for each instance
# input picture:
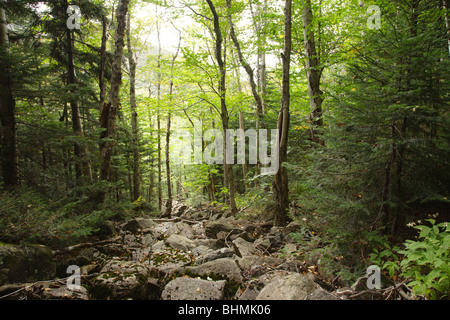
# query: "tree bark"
(109, 112)
(82, 167)
(281, 178)
(101, 78)
(8, 138)
(246, 66)
(447, 21)
(168, 171)
(134, 124)
(224, 112)
(313, 71)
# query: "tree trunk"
(109, 112)
(8, 138)
(281, 179)
(158, 118)
(244, 165)
(224, 112)
(246, 66)
(447, 21)
(313, 73)
(134, 124)
(101, 78)
(168, 172)
(82, 167)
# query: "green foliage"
(425, 262)
(28, 216)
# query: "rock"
(294, 286)
(128, 286)
(256, 266)
(250, 293)
(320, 294)
(193, 289)
(28, 263)
(214, 227)
(210, 243)
(182, 229)
(105, 230)
(137, 225)
(180, 242)
(64, 292)
(214, 255)
(201, 251)
(147, 240)
(225, 268)
(179, 210)
(165, 258)
(289, 248)
(161, 230)
(245, 248)
(124, 280)
(263, 244)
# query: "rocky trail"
(195, 255)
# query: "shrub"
(425, 262)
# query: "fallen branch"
(85, 245)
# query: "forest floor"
(197, 253)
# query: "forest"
(326, 121)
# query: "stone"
(64, 293)
(210, 243)
(295, 286)
(193, 289)
(138, 224)
(105, 229)
(180, 242)
(124, 280)
(245, 248)
(28, 263)
(320, 294)
(214, 255)
(225, 268)
(214, 227)
(258, 265)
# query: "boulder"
(137, 225)
(63, 293)
(28, 263)
(258, 265)
(193, 289)
(214, 255)
(320, 294)
(105, 229)
(180, 242)
(225, 268)
(245, 248)
(165, 258)
(124, 280)
(222, 225)
(294, 286)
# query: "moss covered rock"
(26, 263)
